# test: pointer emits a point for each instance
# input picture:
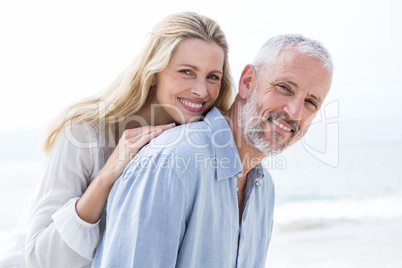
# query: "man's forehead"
(314, 79)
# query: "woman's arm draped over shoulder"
(93, 201)
(57, 237)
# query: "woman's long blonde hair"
(129, 92)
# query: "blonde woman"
(180, 74)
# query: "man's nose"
(200, 89)
(294, 108)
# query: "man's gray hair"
(268, 53)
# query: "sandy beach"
(347, 245)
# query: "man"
(203, 199)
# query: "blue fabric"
(176, 204)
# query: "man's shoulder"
(183, 139)
(189, 143)
(192, 136)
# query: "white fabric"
(50, 233)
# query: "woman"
(181, 73)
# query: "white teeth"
(280, 125)
(193, 105)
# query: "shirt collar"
(257, 172)
(228, 162)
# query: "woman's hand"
(128, 146)
(90, 206)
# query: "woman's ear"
(153, 82)
(247, 81)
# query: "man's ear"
(247, 81)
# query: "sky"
(54, 53)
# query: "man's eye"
(312, 104)
(284, 88)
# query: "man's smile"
(280, 125)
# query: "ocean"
(364, 186)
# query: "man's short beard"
(251, 122)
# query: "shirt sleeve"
(56, 235)
(145, 217)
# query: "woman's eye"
(188, 72)
(214, 77)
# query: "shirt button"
(239, 174)
(258, 183)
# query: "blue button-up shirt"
(176, 204)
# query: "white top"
(50, 233)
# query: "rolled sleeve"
(70, 226)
